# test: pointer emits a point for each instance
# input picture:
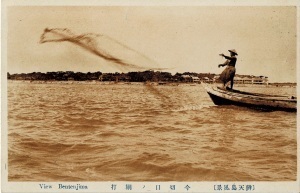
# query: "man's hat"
(233, 51)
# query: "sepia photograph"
(149, 93)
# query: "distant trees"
(143, 76)
(150, 75)
(58, 76)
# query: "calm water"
(96, 132)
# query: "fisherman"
(229, 72)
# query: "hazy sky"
(182, 39)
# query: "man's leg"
(231, 83)
(226, 85)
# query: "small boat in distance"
(222, 96)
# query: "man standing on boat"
(229, 72)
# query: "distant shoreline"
(148, 76)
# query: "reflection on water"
(97, 132)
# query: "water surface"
(133, 132)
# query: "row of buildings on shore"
(144, 76)
(243, 79)
(239, 79)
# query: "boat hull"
(251, 100)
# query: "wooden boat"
(222, 96)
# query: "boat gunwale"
(255, 97)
